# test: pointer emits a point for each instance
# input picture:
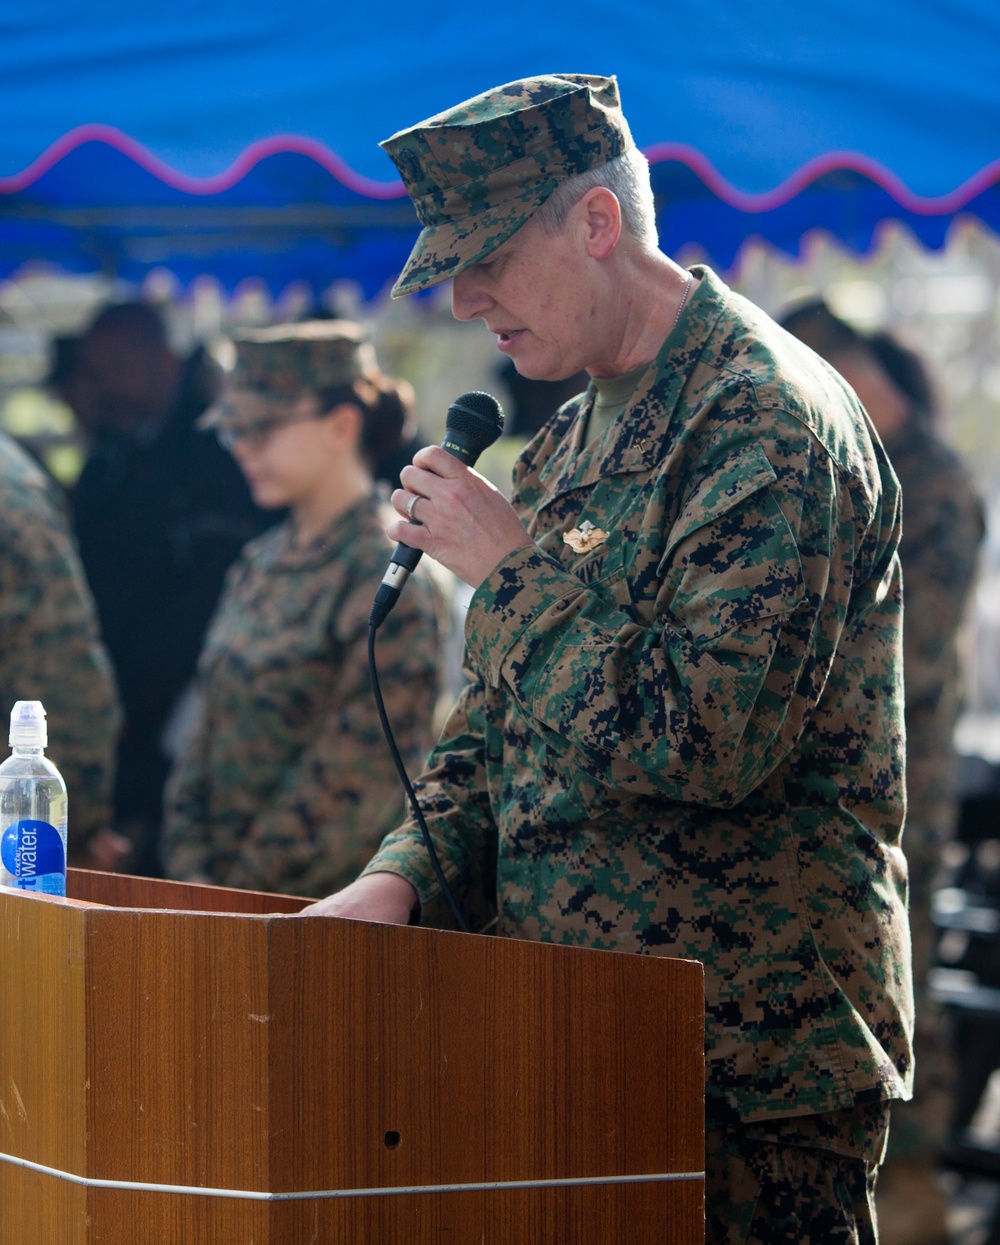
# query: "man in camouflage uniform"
(286, 783)
(51, 650)
(684, 734)
(943, 527)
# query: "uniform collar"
(342, 532)
(636, 440)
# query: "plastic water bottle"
(33, 808)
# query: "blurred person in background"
(285, 782)
(390, 461)
(50, 650)
(160, 512)
(943, 526)
(534, 402)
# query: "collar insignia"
(585, 537)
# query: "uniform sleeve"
(453, 795)
(52, 652)
(696, 691)
(186, 847)
(186, 842)
(943, 527)
(332, 808)
(697, 686)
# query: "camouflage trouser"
(809, 1180)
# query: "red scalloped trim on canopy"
(241, 166)
(699, 164)
(834, 161)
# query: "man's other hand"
(106, 850)
(382, 897)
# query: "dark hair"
(138, 322)
(906, 370)
(815, 324)
(386, 405)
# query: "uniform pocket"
(603, 572)
(731, 558)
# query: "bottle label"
(33, 853)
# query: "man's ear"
(601, 216)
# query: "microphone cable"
(411, 795)
(474, 421)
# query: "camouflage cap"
(269, 370)
(477, 172)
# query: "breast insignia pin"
(585, 537)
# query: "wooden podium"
(179, 1066)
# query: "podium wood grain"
(177, 1035)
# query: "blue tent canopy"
(242, 139)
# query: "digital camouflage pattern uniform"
(474, 185)
(687, 739)
(943, 526)
(760, 1178)
(268, 370)
(49, 641)
(287, 783)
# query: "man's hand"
(459, 518)
(384, 897)
(105, 850)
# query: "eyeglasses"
(255, 436)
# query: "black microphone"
(474, 421)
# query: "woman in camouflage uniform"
(943, 526)
(285, 782)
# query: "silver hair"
(627, 177)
